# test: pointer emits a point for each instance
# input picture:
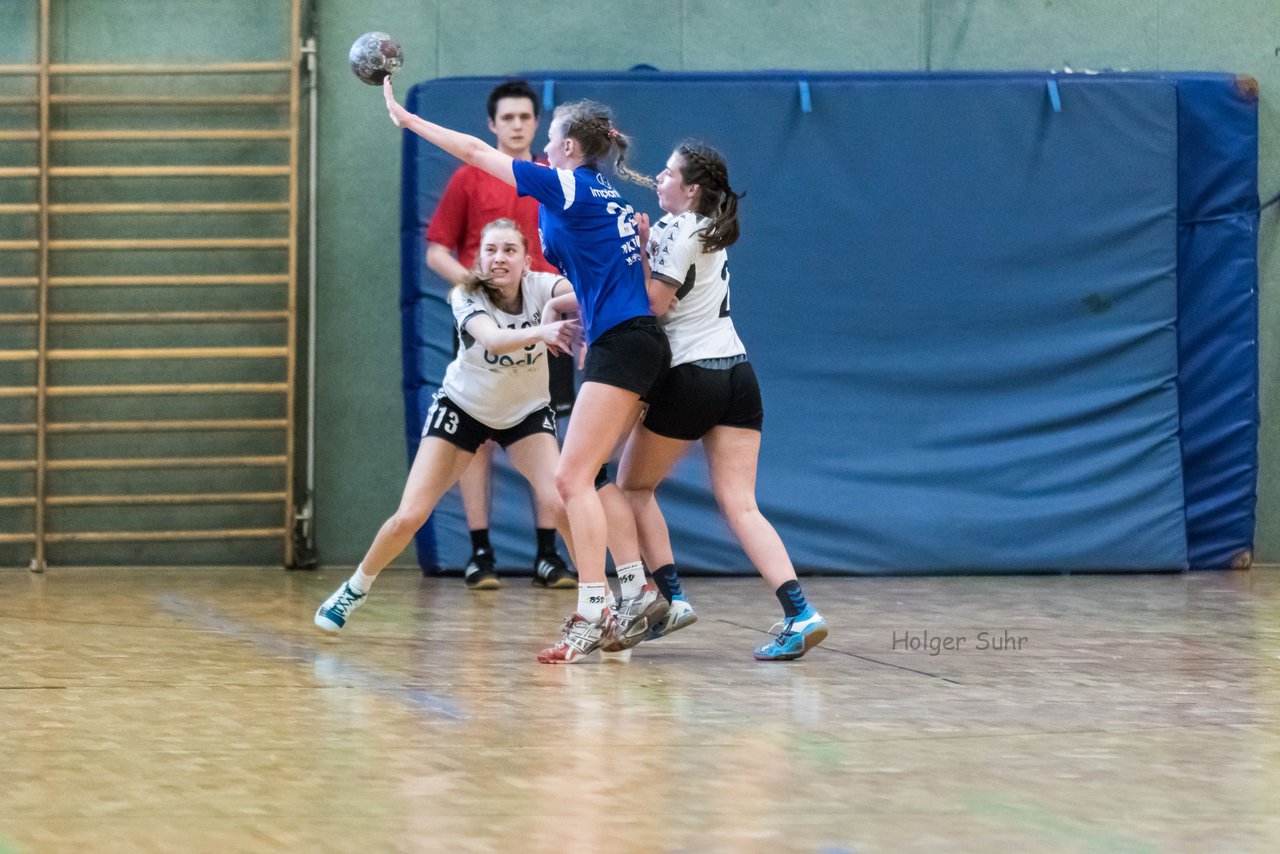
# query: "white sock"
(631, 578)
(591, 600)
(360, 582)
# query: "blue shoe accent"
(798, 635)
(333, 614)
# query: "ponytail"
(717, 201)
(591, 125)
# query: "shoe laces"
(347, 598)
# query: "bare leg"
(536, 458)
(475, 486)
(600, 416)
(647, 460)
(732, 454)
(436, 468)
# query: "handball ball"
(375, 57)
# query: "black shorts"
(633, 355)
(446, 420)
(560, 369)
(692, 399)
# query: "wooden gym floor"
(199, 710)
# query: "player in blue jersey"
(588, 231)
(710, 394)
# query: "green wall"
(360, 457)
(361, 461)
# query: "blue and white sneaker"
(336, 610)
(798, 635)
(679, 614)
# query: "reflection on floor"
(199, 710)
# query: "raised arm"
(465, 147)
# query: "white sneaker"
(679, 615)
(581, 638)
(336, 610)
(635, 616)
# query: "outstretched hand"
(561, 335)
(398, 113)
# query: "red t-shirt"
(473, 199)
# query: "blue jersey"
(589, 231)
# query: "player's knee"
(569, 484)
(736, 506)
(637, 495)
(549, 501)
(406, 522)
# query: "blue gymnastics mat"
(1002, 322)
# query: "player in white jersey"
(710, 394)
(495, 388)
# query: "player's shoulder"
(541, 280)
(675, 226)
(463, 299)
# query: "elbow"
(473, 151)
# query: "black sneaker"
(480, 573)
(550, 571)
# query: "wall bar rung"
(165, 388)
(170, 70)
(17, 428)
(27, 501)
(17, 538)
(193, 498)
(18, 355)
(149, 426)
(19, 318)
(20, 209)
(19, 282)
(162, 536)
(19, 134)
(163, 281)
(166, 463)
(162, 317)
(158, 171)
(17, 391)
(164, 207)
(163, 100)
(19, 171)
(19, 70)
(18, 101)
(17, 245)
(156, 353)
(193, 243)
(153, 135)
(17, 465)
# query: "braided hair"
(591, 125)
(703, 165)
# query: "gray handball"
(375, 57)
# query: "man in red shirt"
(472, 199)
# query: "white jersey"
(697, 324)
(500, 391)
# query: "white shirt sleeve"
(465, 306)
(676, 249)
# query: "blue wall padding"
(1218, 314)
(963, 308)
